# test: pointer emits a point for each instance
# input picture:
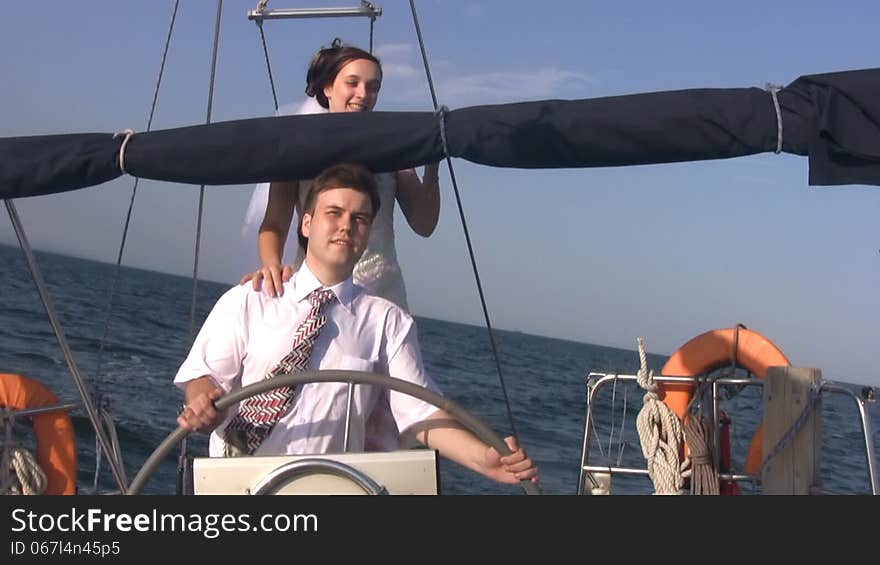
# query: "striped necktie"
(258, 414)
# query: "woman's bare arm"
(283, 197)
(420, 199)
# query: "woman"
(344, 78)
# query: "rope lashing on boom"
(128, 134)
(441, 114)
(773, 89)
(660, 433)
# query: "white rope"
(128, 133)
(773, 89)
(441, 113)
(31, 477)
(19, 471)
(660, 434)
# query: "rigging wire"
(613, 397)
(37, 277)
(195, 277)
(261, 7)
(113, 455)
(372, 22)
(268, 64)
(465, 228)
(116, 272)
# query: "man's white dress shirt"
(248, 332)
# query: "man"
(248, 335)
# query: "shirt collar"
(305, 282)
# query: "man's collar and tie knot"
(320, 296)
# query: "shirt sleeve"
(405, 363)
(219, 348)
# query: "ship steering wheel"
(475, 426)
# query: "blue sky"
(594, 255)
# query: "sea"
(128, 354)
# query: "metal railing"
(595, 381)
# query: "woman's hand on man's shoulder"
(273, 276)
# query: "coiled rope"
(20, 473)
(704, 478)
(660, 433)
(29, 477)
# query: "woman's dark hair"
(327, 63)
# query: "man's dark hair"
(344, 175)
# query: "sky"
(599, 255)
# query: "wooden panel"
(796, 468)
(400, 472)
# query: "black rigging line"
(101, 401)
(195, 277)
(465, 228)
(268, 65)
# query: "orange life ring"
(56, 441)
(714, 350)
